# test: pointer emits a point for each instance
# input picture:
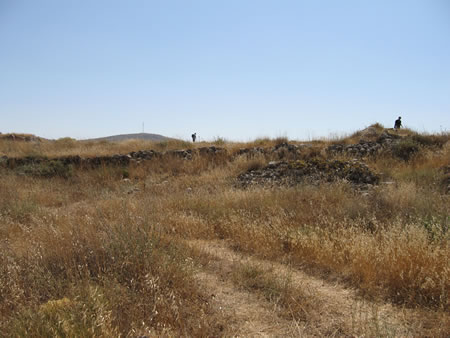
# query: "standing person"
(398, 123)
(194, 137)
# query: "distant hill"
(139, 136)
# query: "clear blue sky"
(237, 69)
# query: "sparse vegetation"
(84, 252)
(405, 149)
(292, 299)
(48, 169)
(68, 146)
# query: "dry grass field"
(175, 247)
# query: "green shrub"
(52, 168)
(125, 173)
(405, 149)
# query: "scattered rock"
(387, 138)
(188, 154)
(369, 133)
(211, 151)
(183, 154)
(286, 150)
(251, 152)
(365, 147)
(133, 190)
(144, 154)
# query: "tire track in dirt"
(247, 315)
(339, 311)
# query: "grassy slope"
(95, 255)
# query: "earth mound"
(313, 171)
(20, 137)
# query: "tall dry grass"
(92, 266)
(94, 254)
(68, 146)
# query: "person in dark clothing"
(194, 137)
(398, 123)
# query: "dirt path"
(338, 311)
(247, 315)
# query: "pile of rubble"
(365, 147)
(251, 152)
(361, 149)
(312, 171)
(188, 154)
